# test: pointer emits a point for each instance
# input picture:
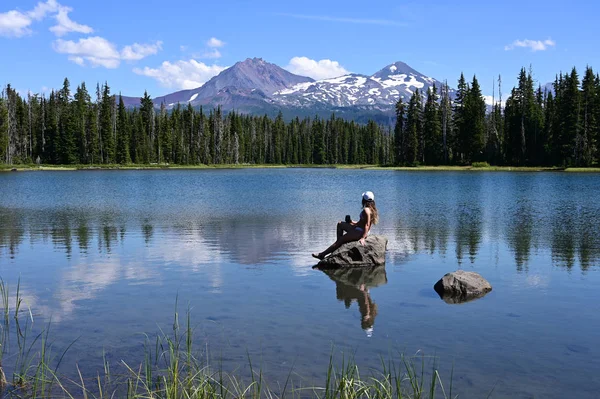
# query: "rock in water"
(355, 277)
(461, 286)
(355, 254)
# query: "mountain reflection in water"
(572, 237)
(105, 255)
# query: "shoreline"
(34, 168)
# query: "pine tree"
(66, 145)
(107, 142)
(318, 133)
(433, 151)
(201, 137)
(148, 136)
(399, 128)
(589, 123)
(164, 150)
(459, 120)
(413, 129)
(596, 113)
(123, 156)
(569, 140)
(278, 134)
(549, 116)
(537, 126)
(51, 133)
(4, 142)
(81, 114)
(495, 124)
(473, 134)
(446, 120)
(177, 134)
(517, 120)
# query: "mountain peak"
(254, 73)
(379, 91)
(254, 60)
(397, 68)
(251, 64)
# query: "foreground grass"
(172, 370)
(486, 168)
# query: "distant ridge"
(260, 87)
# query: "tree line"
(534, 126)
(65, 129)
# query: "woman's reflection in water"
(353, 284)
(366, 306)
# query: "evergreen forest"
(534, 126)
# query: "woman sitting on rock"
(355, 231)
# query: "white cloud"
(490, 100)
(534, 45)
(78, 60)
(214, 42)
(210, 51)
(138, 51)
(181, 74)
(41, 10)
(65, 24)
(14, 24)
(214, 53)
(97, 51)
(321, 69)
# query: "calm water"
(105, 254)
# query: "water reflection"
(353, 284)
(520, 233)
(105, 254)
(468, 231)
(572, 236)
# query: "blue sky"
(166, 46)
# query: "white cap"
(368, 196)
(369, 332)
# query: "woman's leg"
(343, 227)
(352, 235)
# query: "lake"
(105, 255)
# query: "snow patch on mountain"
(256, 86)
(400, 80)
(381, 89)
(299, 86)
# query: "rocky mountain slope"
(257, 86)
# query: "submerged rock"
(355, 254)
(461, 286)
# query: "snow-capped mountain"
(380, 90)
(257, 86)
(252, 78)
